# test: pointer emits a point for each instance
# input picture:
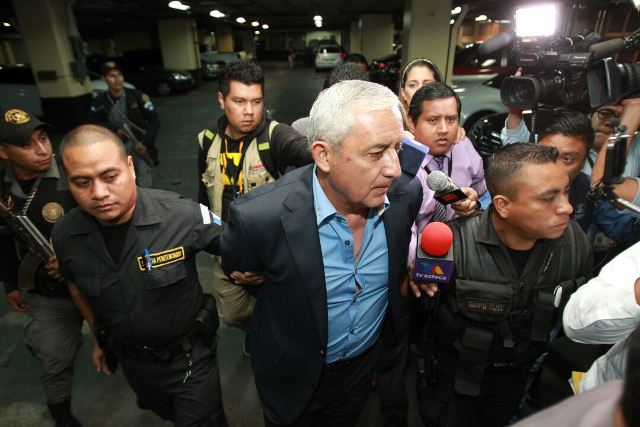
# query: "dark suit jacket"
(273, 229)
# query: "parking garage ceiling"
(105, 17)
(101, 17)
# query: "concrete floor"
(107, 401)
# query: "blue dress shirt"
(357, 289)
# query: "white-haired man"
(331, 240)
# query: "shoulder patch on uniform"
(209, 217)
(163, 258)
(263, 146)
(208, 134)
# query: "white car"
(18, 89)
(479, 98)
(329, 56)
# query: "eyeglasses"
(606, 114)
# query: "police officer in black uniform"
(132, 116)
(516, 264)
(131, 254)
(33, 184)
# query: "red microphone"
(434, 254)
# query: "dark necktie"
(439, 211)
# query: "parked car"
(18, 88)
(485, 133)
(479, 99)
(329, 56)
(212, 62)
(386, 70)
(468, 66)
(144, 69)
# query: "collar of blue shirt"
(325, 209)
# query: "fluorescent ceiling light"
(318, 24)
(317, 18)
(257, 32)
(255, 24)
(481, 18)
(175, 4)
(265, 26)
(537, 20)
(217, 14)
(6, 24)
(456, 10)
(240, 20)
(452, 21)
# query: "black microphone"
(496, 42)
(446, 190)
(606, 48)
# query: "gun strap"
(31, 196)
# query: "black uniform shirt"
(51, 201)
(139, 305)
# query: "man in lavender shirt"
(434, 115)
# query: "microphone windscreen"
(497, 42)
(436, 239)
(437, 181)
(606, 48)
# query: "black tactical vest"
(495, 317)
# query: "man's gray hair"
(332, 115)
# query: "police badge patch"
(52, 212)
(16, 116)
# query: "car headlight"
(179, 76)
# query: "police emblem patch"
(52, 212)
(16, 116)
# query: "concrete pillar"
(57, 59)
(179, 44)
(355, 37)
(376, 32)
(6, 53)
(248, 43)
(224, 38)
(427, 32)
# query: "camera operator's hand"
(515, 114)
(630, 117)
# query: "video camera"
(613, 169)
(564, 71)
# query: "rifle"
(39, 248)
(143, 155)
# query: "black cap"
(110, 65)
(16, 126)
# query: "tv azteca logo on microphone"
(430, 270)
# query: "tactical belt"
(183, 345)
